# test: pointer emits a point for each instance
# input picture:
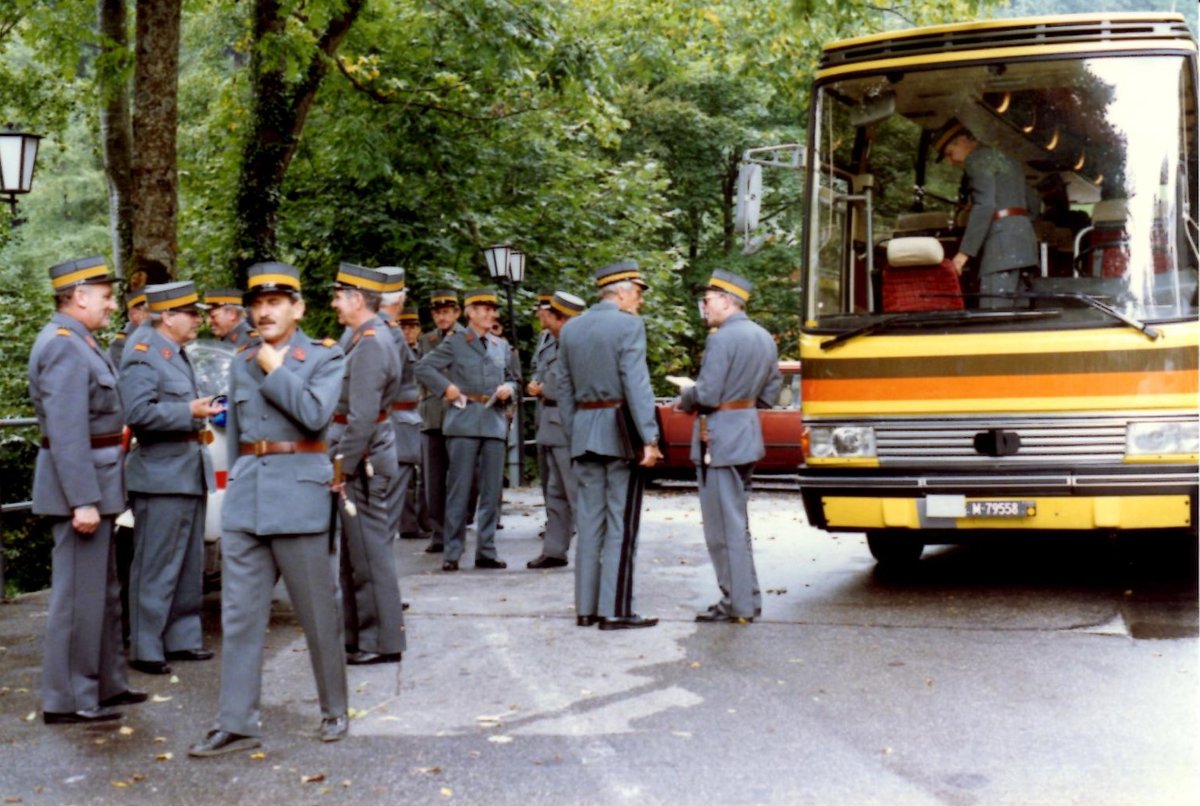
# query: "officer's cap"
(543, 298)
(87, 270)
(135, 298)
(360, 278)
(566, 304)
(730, 283)
(949, 130)
(262, 278)
(443, 297)
(216, 297)
(395, 278)
(409, 316)
(625, 270)
(178, 296)
(481, 296)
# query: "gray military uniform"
(169, 474)
(275, 520)
(475, 433)
(1002, 246)
(362, 433)
(74, 391)
(406, 423)
(435, 463)
(740, 367)
(241, 334)
(116, 349)
(602, 358)
(559, 485)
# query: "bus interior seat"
(918, 277)
(1102, 250)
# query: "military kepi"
(265, 277)
(395, 279)
(216, 297)
(443, 297)
(78, 272)
(567, 304)
(178, 296)
(409, 316)
(135, 298)
(481, 296)
(731, 283)
(361, 278)
(625, 270)
(945, 135)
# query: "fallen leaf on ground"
(120, 784)
(259, 756)
(32, 715)
(500, 739)
(428, 770)
(447, 792)
(164, 757)
(125, 730)
(160, 698)
(312, 779)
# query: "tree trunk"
(278, 113)
(116, 131)
(155, 179)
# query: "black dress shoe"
(218, 742)
(542, 561)
(85, 716)
(190, 654)
(450, 565)
(712, 616)
(586, 621)
(151, 666)
(488, 562)
(435, 548)
(361, 658)
(403, 606)
(627, 623)
(413, 536)
(334, 728)
(127, 697)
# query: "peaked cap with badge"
(177, 296)
(625, 270)
(730, 283)
(84, 271)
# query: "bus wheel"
(892, 549)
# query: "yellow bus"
(939, 406)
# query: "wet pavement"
(1006, 672)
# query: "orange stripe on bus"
(1100, 384)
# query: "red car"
(781, 432)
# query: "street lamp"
(18, 153)
(507, 267)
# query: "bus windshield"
(1107, 158)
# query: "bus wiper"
(1148, 331)
(923, 318)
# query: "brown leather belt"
(154, 437)
(342, 419)
(546, 402)
(98, 441)
(267, 448)
(599, 404)
(735, 404)
(477, 398)
(404, 405)
(1005, 212)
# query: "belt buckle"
(260, 448)
(205, 437)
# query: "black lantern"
(18, 153)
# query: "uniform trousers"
(608, 508)
(250, 565)
(435, 463)
(166, 579)
(724, 492)
(371, 607)
(82, 661)
(560, 491)
(414, 519)
(479, 463)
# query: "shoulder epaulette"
(62, 331)
(393, 323)
(142, 347)
(252, 334)
(121, 336)
(369, 331)
(328, 342)
(244, 348)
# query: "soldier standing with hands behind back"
(607, 408)
(79, 485)
(739, 374)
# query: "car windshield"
(1107, 150)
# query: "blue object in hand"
(219, 418)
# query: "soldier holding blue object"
(169, 475)
(739, 375)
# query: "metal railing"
(16, 506)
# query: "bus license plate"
(1000, 509)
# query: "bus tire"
(894, 549)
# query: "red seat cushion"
(921, 288)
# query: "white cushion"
(1110, 211)
(918, 251)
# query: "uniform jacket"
(116, 350)
(996, 183)
(74, 390)
(463, 359)
(241, 334)
(157, 388)
(433, 407)
(406, 422)
(370, 383)
(283, 493)
(602, 356)
(546, 370)
(740, 363)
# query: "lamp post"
(507, 267)
(18, 153)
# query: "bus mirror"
(749, 197)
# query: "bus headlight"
(841, 442)
(1157, 439)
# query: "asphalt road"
(1050, 672)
